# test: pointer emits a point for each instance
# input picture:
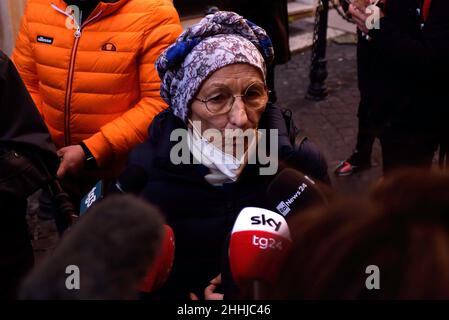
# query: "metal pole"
(318, 72)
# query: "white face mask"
(225, 167)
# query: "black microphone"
(291, 192)
(105, 255)
(132, 180)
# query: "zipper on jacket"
(68, 93)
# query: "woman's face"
(233, 79)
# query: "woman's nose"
(238, 116)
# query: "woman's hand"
(72, 160)
(358, 13)
(209, 292)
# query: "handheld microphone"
(94, 195)
(131, 181)
(260, 242)
(291, 192)
(161, 268)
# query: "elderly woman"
(213, 77)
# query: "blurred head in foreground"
(396, 240)
(112, 246)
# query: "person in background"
(89, 66)
(360, 159)
(271, 15)
(411, 100)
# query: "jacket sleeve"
(24, 62)
(20, 123)
(119, 136)
(426, 54)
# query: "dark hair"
(401, 227)
(113, 245)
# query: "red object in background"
(426, 9)
(161, 268)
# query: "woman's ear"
(189, 118)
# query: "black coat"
(21, 125)
(271, 15)
(406, 74)
(200, 214)
(21, 129)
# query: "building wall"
(10, 14)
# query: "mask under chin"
(234, 142)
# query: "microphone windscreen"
(291, 192)
(260, 242)
(161, 268)
(109, 251)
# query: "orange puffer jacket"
(96, 82)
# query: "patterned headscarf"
(218, 40)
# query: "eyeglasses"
(221, 102)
